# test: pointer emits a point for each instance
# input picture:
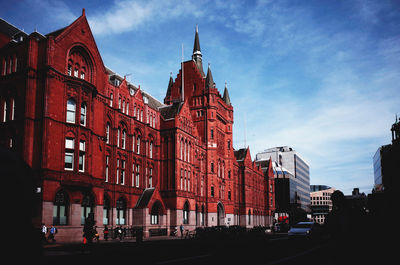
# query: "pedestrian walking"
(44, 233)
(52, 234)
(105, 231)
(182, 228)
(120, 233)
(96, 234)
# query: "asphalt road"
(174, 252)
(245, 251)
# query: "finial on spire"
(197, 28)
(83, 11)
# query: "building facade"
(321, 203)
(386, 163)
(294, 185)
(102, 146)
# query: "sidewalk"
(112, 241)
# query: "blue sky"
(320, 76)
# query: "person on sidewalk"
(105, 231)
(52, 234)
(182, 228)
(44, 233)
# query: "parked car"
(303, 230)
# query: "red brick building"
(101, 145)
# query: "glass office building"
(294, 192)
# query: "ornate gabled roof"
(226, 96)
(145, 198)
(209, 78)
(170, 111)
(8, 29)
(240, 154)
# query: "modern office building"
(297, 178)
(386, 163)
(321, 203)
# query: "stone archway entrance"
(220, 214)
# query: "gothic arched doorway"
(220, 214)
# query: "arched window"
(188, 157)
(219, 169)
(86, 207)
(181, 186)
(188, 187)
(83, 114)
(121, 211)
(123, 139)
(181, 149)
(118, 136)
(106, 210)
(249, 217)
(80, 63)
(202, 216)
(150, 177)
(185, 155)
(138, 145)
(82, 152)
(60, 208)
(108, 133)
(12, 102)
(4, 111)
(71, 108)
(186, 213)
(151, 150)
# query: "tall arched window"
(5, 111)
(83, 114)
(108, 133)
(121, 211)
(106, 210)
(151, 150)
(118, 136)
(138, 144)
(123, 139)
(186, 213)
(188, 157)
(60, 208)
(181, 149)
(86, 207)
(12, 102)
(71, 109)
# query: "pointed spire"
(197, 56)
(196, 46)
(170, 84)
(209, 78)
(226, 95)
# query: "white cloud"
(128, 15)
